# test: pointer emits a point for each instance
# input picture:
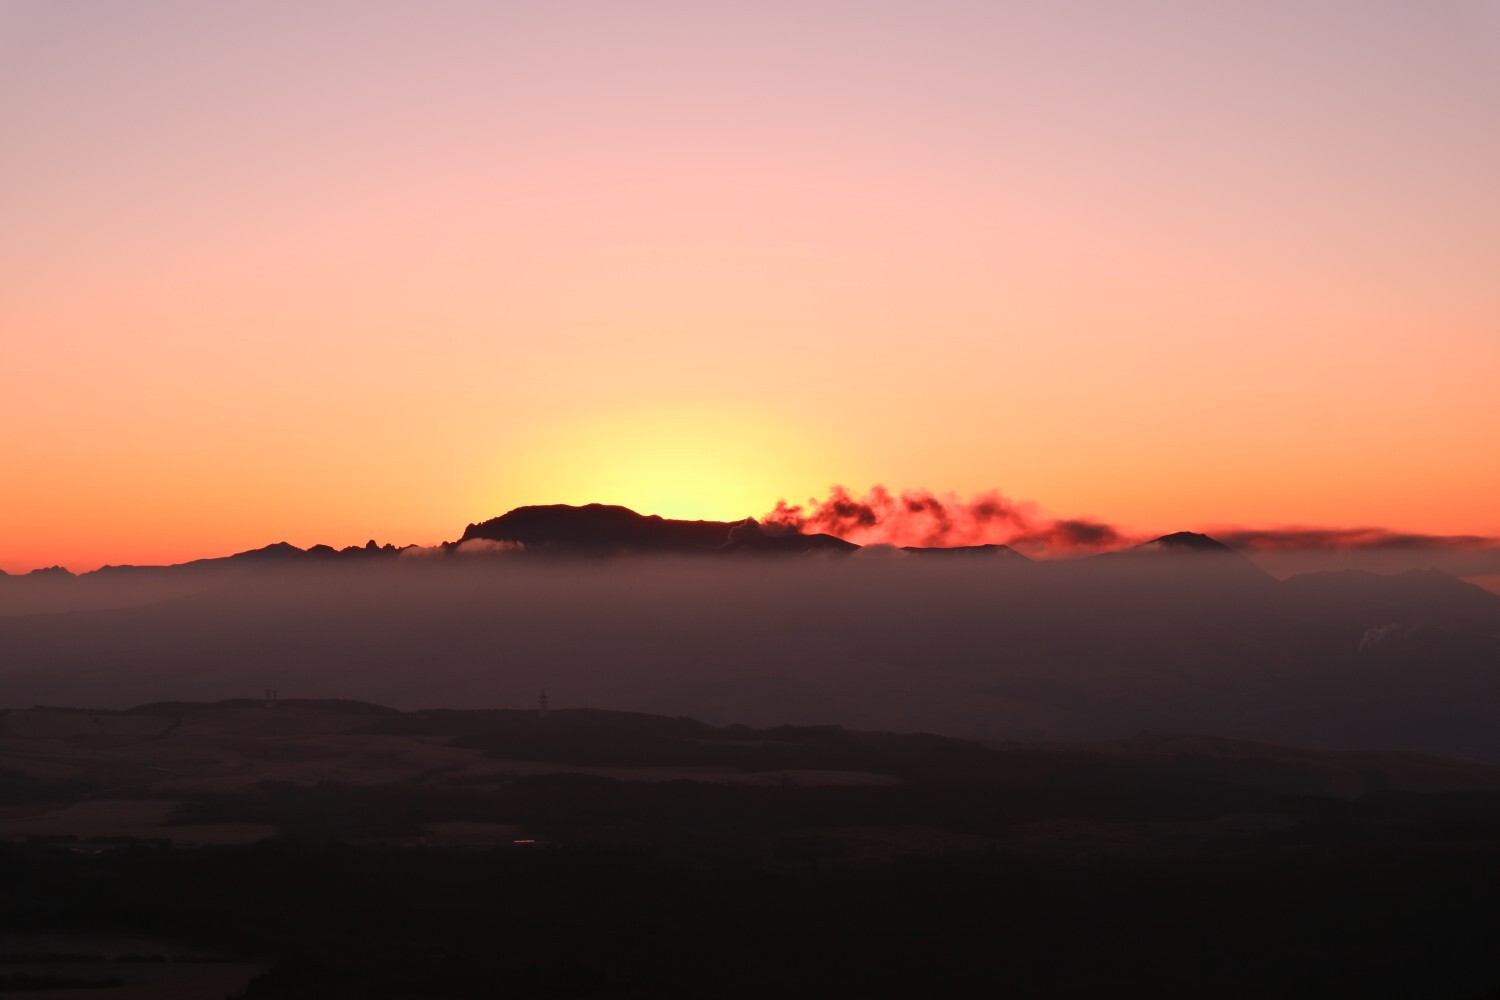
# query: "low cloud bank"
(923, 518)
(979, 648)
(1300, 549)
(1261, 539)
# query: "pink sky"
(334, 271)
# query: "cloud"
(487, 547)
(422, 552)
(1301, 549)
(922, 518)
(1263, 539)
(1072, 534)
(926, 519)
(1381, 634)
(473, 547)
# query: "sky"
(348, 270)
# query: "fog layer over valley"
(1183, 637)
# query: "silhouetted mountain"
(276, 552)
(1184, 541)
(1191, 570)
(604, 529)
(749, 536)
(50, 572)
(598, 527)
(56, 589)
(1188, 548)
(607, 529)
(1418, 597)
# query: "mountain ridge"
(611, 529)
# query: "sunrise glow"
(335, 272)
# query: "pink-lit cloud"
(922, 518)
(1298, 537)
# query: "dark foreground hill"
(354, 851)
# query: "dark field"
(595, 854)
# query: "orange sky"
(330, 272)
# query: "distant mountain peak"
(275, 550)
(1183, 541)
(1419, 597)
(598, 529)
(1190, 555)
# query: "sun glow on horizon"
(321, 273)
(685, 461)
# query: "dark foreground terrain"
(338, 849)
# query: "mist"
(981, 647)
